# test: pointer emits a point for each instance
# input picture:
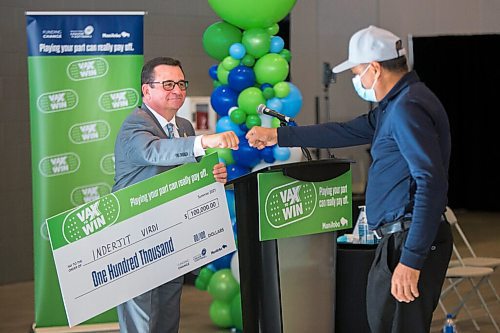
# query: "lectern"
(288, 284)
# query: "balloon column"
(252, 67)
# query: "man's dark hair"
(147, 74)
(395, 65)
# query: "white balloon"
(235, 266)
(261, 165)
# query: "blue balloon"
(245, 155)
(275, 104)
(237, 51)
(240, 78)
(223, 262)
(235, 171)
(211, 267)
(267, 154)
(230, 202)
(225, 124)
(293, 102)
(265, 85)
(277, 44)
(222, 99)
(244, 128)
(281, 153)
(212, 71)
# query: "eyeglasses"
(170, 85)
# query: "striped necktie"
(170, 130)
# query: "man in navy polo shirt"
(406, 193)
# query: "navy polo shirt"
(410, 142)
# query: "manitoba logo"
(83, 194)
(123, 34)
(56, 101)
(87, 69)
(89, 132)
(57, 165)
(118, 99)
(290, 203)
(91, 218)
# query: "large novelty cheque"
(130, 241)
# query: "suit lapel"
(162, 130)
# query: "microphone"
(263, 109)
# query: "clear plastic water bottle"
(362, 226)
(449, 324)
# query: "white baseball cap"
(371, 44)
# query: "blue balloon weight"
(223, 262)
(222, 99)
(235, 171)
(245, 155)
(225, 124)
(275, 103)
(293, 102)
(281, 153)
(212, 71)
(240, 78)
(267, 155)
(277, 44)
(237, 51)
(230, 202)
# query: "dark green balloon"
(218, 37)
(253, 120)
(220, 313)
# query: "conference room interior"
(317, 33)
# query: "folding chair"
(459, 272)
(471, 260)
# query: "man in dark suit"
(152, 139)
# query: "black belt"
(393, 227)
(396, 226)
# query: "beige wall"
(320, 30)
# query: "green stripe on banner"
(84, 79)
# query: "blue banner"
(85, 35)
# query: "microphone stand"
(328, 78)
(305, 151)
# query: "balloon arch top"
(252, 68)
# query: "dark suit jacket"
(142, 149)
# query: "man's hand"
(220, 140)
(260, 137)
(220, 173)
(404, 283)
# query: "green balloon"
(217, 83)
(256, 41)
(236, 312)
(223, 286)
(253, 120)
(205, 274)
(200, 284)
(249, 99)
(273, 30)
(248, 60)
(222, 74)
(218, 37)
(268, 93)
(220, 313)
(248, 14)
(238, 116)
(282, 89)
(225, 153)
(271, 68)
(286, 55)
(230, 63)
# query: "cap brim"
(344, 66)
